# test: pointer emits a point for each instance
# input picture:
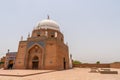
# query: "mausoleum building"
(43, 49)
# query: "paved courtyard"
(71, 74)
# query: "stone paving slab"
(71, 74)
(23, 73)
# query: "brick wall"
(92, 65)
(115, 65)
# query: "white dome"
(47, 24)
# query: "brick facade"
(44, 49)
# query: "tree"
(98, 62)
(76, 62)
(1, 62)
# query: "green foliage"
(1, 62)
(76, 62)
(98, 62)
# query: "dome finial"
(48, 17)
(28, 35)
(21, 38)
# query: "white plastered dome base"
(48, 24)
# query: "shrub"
(98, 62)
(76, 62)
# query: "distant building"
(44, 49)
(2, 62)
(10, 60)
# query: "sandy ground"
(71, 74)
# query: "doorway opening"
(35, 62)
(64, 63)
(10, 64)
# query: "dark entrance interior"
(10, 64)
(64, 63)
(35, 62)
(35, 65)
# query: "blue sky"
(91, 27)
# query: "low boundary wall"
(92, 65)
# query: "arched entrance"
(34, 58)
(64, 63)
(10, 64)
(35, 62)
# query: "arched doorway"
(34, 57)
(35, 62)
(10, 64)
(64, 63)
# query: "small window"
(22, 46)
(38, 35)
(52, 36)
